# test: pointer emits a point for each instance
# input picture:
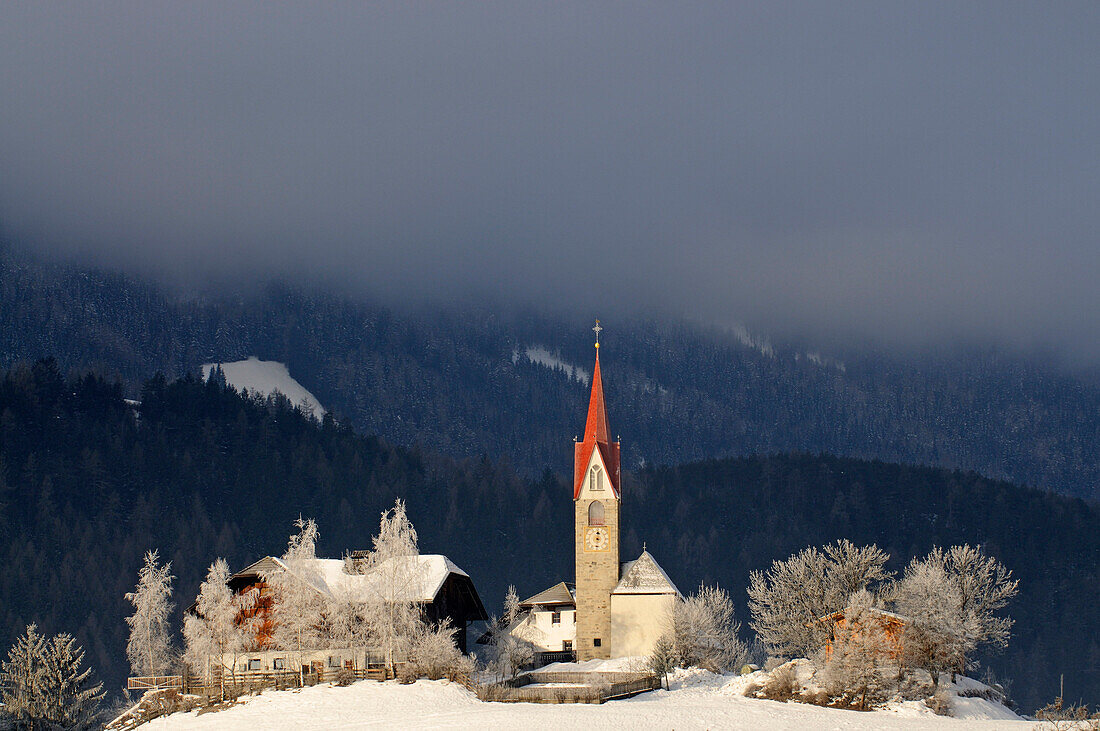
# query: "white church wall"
(637, 621)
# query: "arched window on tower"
(595, 478)
(595, 513)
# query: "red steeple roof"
(596, 437)
(596, 425)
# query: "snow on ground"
(697, 700)
(265, 377)
(542, 356)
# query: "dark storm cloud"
(906, 171)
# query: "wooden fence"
(154, 682)
(247, 682)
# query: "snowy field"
(266, 377)
(697, 700)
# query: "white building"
(549, 621)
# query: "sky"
(911, 173)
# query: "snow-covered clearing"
(265, 377)
(697, 700)
(542, 356)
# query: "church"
(617, 609)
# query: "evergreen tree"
(72, 700)
(23, 677)
(43, 684)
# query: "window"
(279, 663)
(595, 513)
(333, 661)
(595, 478)
(555, 618)
(255, 664)
(566, 645)
(597, 642)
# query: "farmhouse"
(890, 625)
(444, 591)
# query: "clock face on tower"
(596, 539)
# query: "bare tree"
(663, 658)
(297, 604)
(509, 652)
(790, 600)
(150, 647)
(512, 608)
(705, 632)
(214, 631)
(949, 599)
(985, 586)
(433, 654)
(393, 610)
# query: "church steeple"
(596, 499)
(597, 434)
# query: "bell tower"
(596, 501)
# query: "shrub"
(939, 702)
(782, 684)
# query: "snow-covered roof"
(328, 577)
(644, 576)
(559, 593)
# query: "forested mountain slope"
(462, 382)
(88, 484)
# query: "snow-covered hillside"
(542, 355)
(697, 699)
(266, 377)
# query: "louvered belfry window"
(595, 513)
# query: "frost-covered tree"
(935, 635)
(788, 601)
(22, 676)
(43, 684)
(150, 647)
(861, 670)
(347, 624)
(433, 653)
(663, 658)
(297, 605)
(198, 646)
(392, 611)
(512, 607)
(214, 631)
(508, 653)
(985, 586)
(950, 599)
(71, 698)
(705, 633)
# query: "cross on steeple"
(597, 330)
